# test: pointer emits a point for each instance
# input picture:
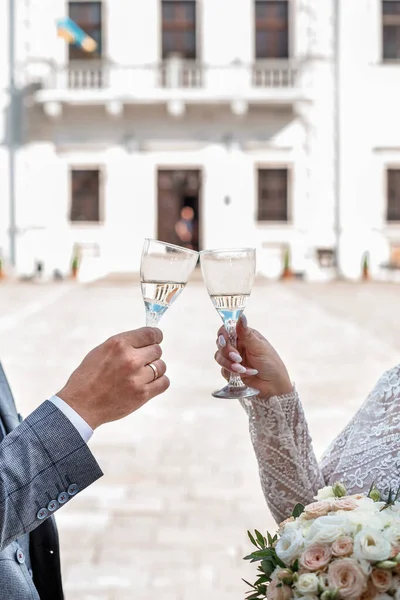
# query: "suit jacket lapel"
(8, 411)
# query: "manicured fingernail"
(244, 321)
(251, 372)
(235, 357)
(238, 368)
(222, 341)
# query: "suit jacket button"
(52, 506)
(42, 514)
(62, 498)
(20, 556)
(73, 489)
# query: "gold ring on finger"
(155, 370)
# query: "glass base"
(236, 393)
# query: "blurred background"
(205, 123)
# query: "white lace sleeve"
(289, 471)
(367, 450)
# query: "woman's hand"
(255, 360)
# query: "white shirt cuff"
(80, 424)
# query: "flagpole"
(337, 140)
(11, 132)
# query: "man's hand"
(115, 378)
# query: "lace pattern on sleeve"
(368, 449)
(288, 468)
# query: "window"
(179, 28)
(391, 29)
(272, 195)
(85, 195)
(87, 15)
(272, 29)
(393, 195)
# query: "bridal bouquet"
(339, 547)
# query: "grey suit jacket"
(44, 463)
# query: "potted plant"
(287, 271)
(365, 267)
(75, 264)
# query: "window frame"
(90, 56)
(390, 167)
(290, 32)
(386, 20)
(196, 28)
(289, 190)
(86, 167)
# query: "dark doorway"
(179, 207)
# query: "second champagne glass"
(164, 272)
(229, 277)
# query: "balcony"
(173, 82)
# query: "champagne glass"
(164, 272)
(229, 277)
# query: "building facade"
(274, 121)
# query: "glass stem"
(230, 326)
(152, 319)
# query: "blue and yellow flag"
(69, 31)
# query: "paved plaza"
(168, 519)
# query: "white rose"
(371, 545)
(367, 515)
(292, 525)
(326, 530)
(368, 504)
(325, 493)
(307, 583)
(289, 546)
(323, 582)
(366, 566)
(392, 533)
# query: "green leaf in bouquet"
(391, 499)
(259, 595)
(260, 539)
(271, 540)
(397, 495)
(295, 566)
(262, 579)
(268, 566)
(280, 562)
(259, 555)
(371, 488)
(298, 510)
(249, 557)
(249, 584)
(253, 541)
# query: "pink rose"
(343, 546)
(370, 594)
(285, 522)
(278, 593)
(381, 579)
(347, 577)
(395, 550)
(345, 504)
(315, 557)
(317, 509)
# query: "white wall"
(301, 136)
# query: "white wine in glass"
(229, 277)
(164, 272)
